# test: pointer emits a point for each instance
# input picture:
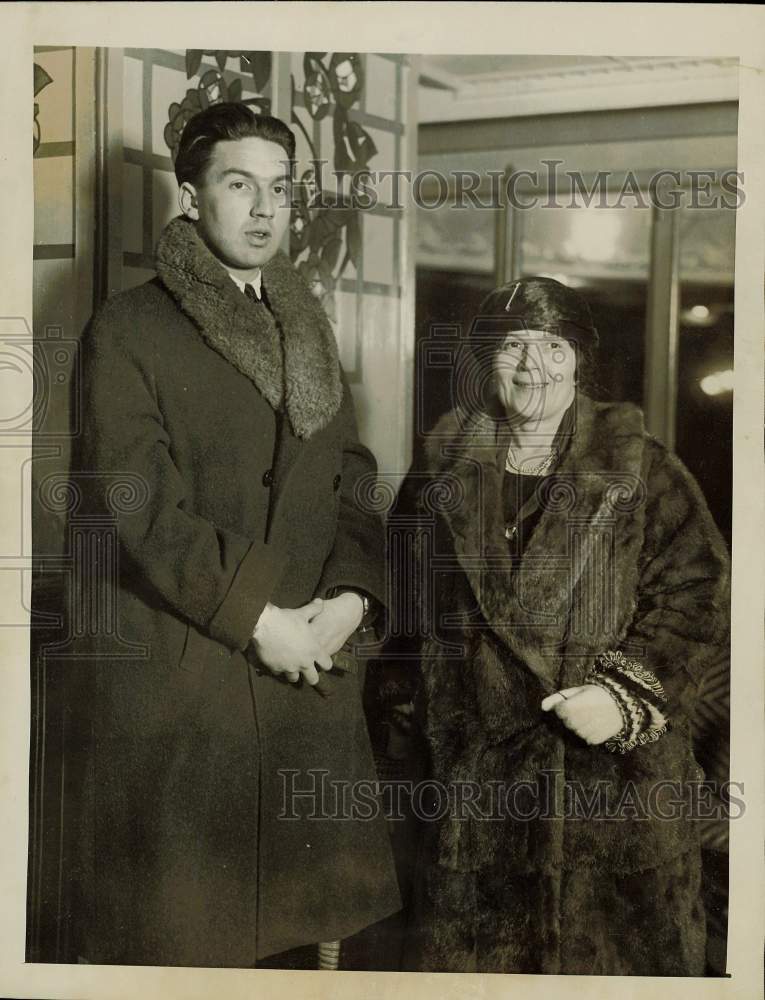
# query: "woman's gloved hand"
(589, 711)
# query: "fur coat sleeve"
(681, 614)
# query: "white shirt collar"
(256, 283)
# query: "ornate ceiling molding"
(604, 84)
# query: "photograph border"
(588, 29)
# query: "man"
(212, 833)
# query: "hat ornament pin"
(510, 300)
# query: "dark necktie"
(262, 303)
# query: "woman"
(573, 588)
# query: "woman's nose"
(523, 355)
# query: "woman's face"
(534, 374)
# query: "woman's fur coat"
(596, 868)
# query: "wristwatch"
(369, 614)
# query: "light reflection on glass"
(717, 383)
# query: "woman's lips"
(527, 383)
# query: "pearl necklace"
(535, 470)
(511, 530)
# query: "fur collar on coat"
(305, 378)
(596, 494)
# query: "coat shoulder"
(622, 419)
(448, 431)
(147, 296)
(676, 497)
(671, 490)
(137, 311)
(136, 323)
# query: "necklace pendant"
(511, 530)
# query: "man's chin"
(251, 261)
(246, 258)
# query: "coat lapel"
(541, 606)
(288, 353)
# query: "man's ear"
(187, 199)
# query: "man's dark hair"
(225, 123)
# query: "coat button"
(268, 477)
(336, 482)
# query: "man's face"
(242, 204)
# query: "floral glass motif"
(213, 88)
(347, 76)
(41, 80)
(317, 89)
(324, 239)
(257, 63)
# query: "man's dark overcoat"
(222, 506)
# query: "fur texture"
(624, 556)
(307, 378)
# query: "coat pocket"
(199, 675)
(200, 651)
